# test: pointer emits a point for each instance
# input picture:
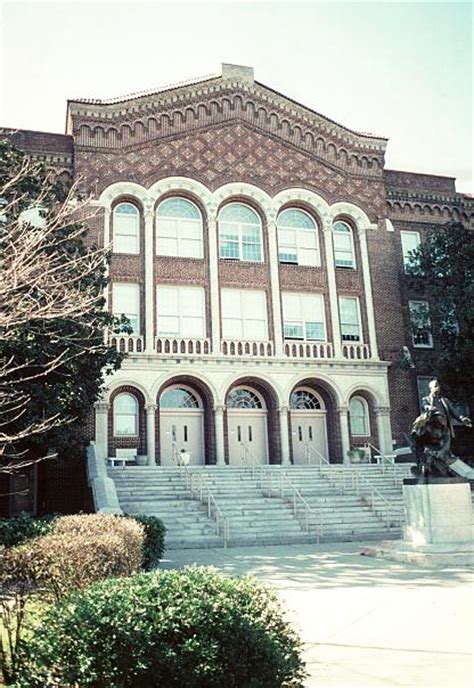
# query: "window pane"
(125, 425)
(251, 252)
(126, 222)
(232, 328)
(293, 330)
(238, 212)
(192, 327)
(229, 249)
(315, 330)
(168, 325)
(179, 208)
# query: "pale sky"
(397, 69)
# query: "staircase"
(268, 505)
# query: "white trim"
(351, 235)
(365, 406)
(361, 337)
(189, 389)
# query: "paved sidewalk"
(365, 622)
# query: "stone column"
(149, 280)
(284, 434)
(150, 433)
(275, 286)
(345, 436)
(369, 304)
(332, 288)
(219, 429)
(106, 274)
(384, 429)
(102, 429)
(214, 281)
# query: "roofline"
(420, 174)
(325, 117)
(34, 131)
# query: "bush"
(193, 628)
(24, 527)
(81, 550)
(154, 539)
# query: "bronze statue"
(431, 435)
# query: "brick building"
(258, 250)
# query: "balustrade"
(182, 345)
(356, 352)
(294, 349)
(236, 347)
(127, 343)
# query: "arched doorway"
(181, 425)
(308, 426)
(246, 426)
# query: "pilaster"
(369, 304)
(219, 429)
(384, 429)
(344, 427)
(149, 286)
(214, 281)
(102, 429)
(275, 286)
(284, 434)
(150, 433)
(332, 288)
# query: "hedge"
(192, 627)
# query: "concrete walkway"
(365, 622)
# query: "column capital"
(212, 212)
(148, 206)
(283, 409)
(102, 406)
(382, 410)
(327, 224)
(361, 230)
(219, 409)
(342, 409)
(150, 407)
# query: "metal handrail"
(386, 461)
(336, 478)
(206, 496)
(297, 496)
(389, 507)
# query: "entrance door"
(309, 437)
(247, 432)
(182, 430)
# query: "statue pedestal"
(438, 530)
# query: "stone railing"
(294, 349)
(127, 343)
(182, 345)
(236, 347)
(356, 352)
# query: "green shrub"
(24, 527)
(193, 628)
(81, 550)
(154, 546)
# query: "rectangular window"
(420, 324)
(410, 242)
(349, 314)
(244, 314)
(181, 312)
(240, 241)
(303, 316)
(126, 301)
(181, 237)
(298, 246)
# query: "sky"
(402, 70)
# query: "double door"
(309, 437)
(247, 433)
(182, 430)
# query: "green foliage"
(443, 269)
(13, 531)
(193, 628)
(154, 545)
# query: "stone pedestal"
(438, 511)
(439, 528)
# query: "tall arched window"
(125, 415)
(343, 245)
(126, 228)
(297, 238)
(240, 233)
(178, 229)
(359, 417)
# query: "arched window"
(359, 417)
(125, 415)
(179, 397)
(240, 233)
(126, 228)
(178, 229)
(243, 398)
(304, 400)
(343, 245)
(297, 238)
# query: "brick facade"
(233, 130)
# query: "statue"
(431, 436)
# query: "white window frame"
(303, 323)
(244, 318)
(404, 234)
(117, 234)
(337, 250)
(411, 307)
(357, 300)
(239, 242)
(116, 286)
(135, 416)
(366, 416)
(298, 234)
(183, 292)
(181, 224)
